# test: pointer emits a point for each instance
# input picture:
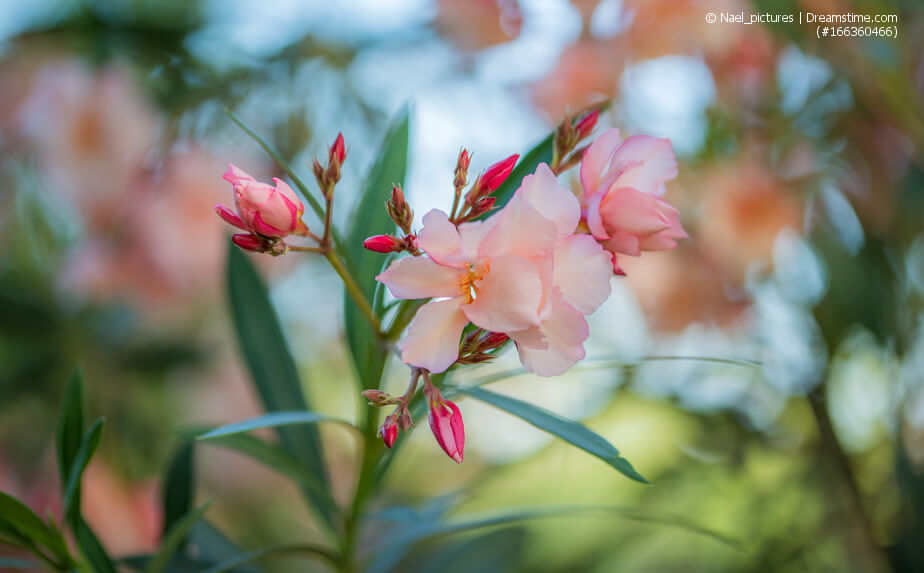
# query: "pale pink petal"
(508, 297)
(593, 217)
(553, 201)
(260, 226)
(631, 210)
(420, 277)
(236, 176)
(623, 242)
(657, 242)
(519, 230)
(582, 272)
(432, 339)
(531, 337)
(471, 235)
(596, 158)
(287, 192)
(279, 212)
(439, 238)
(657, 163)
(566, 331)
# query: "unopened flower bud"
(495, 175)
(247, 242)
(404, 419)
(586, 123)
(446, 424)
(389, 431)
(482, 207)
(461, 173)
(383, 244)
(378, 398)
(338, 150)
(398, 209)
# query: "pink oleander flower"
(446, 424)
(621, 204)
(521, 272)
(262, 209)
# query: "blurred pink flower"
(262, 209)
(521, 272)
(621, 202)
(476, 24)
(93, 132)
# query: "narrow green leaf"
(70, 426)
(306, 549)
(419, 532)
(18, 564)
(92, 549)
(279, 460)
(272, 420)
(174, 539)
(179, 485)
(570, 431)
(87, 448)
(370, 218)
(18, 520)
(213, 546)
(271, 364)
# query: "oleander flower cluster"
(524, 274)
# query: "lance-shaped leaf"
(70, 428)
(271, 364)
(570, 431)
(23, 526)
(272, 420)
(179, 485)
(92, 548)
(371, 218)
(398, 543)
(174, 539)
(87, 448)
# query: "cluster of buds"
(444, 416)
(569, 134)
(328, 177)
(477, 346)
(478, 200)
(402, 215)
(268, 213)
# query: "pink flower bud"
(587, 123)
(338, 149)
(446, 424)
(493, 176)
(247, 242)
(263, 209)
(463, 162)
(382, 244)
(378, 398)
(389, 431)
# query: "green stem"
(363, 483)
(354, 291)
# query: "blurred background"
(801, 185)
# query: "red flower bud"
(493, 176)
(389, 431)
(382, 244)
(338, 149)
(446, 424)
(587, 123)
(247, 242)
(463, 162)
